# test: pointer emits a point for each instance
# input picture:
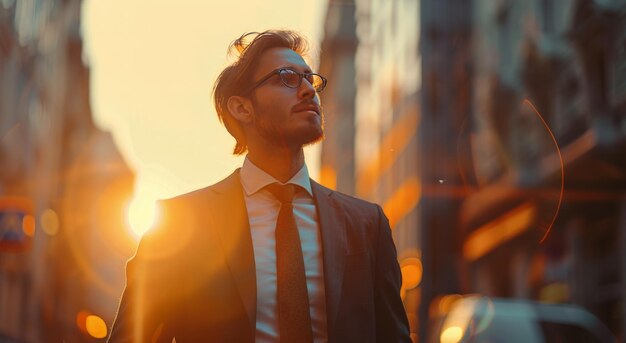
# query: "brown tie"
(294, 319)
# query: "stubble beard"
(270, 132)
(320, 135)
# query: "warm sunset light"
(156, 101)
(291, 171)
(142, 213)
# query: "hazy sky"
(153, 64)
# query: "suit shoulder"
(181, 215)
(346, 200)
(343, 197)
(188, 197)
(182, 219)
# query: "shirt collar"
(254, 178)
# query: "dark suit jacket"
(193, 276)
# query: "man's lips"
(307, 107)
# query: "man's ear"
(240, 108)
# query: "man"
(250, 259)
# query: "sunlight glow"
(142, 213)
(152, 67)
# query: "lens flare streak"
(558, 151)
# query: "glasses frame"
(279, 71)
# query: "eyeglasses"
(293, 79)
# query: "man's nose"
(306, 89)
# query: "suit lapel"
(232, 226)
(334, 247)
(233, 229)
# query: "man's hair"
(237, 77)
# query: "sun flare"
(142, 213)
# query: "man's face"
(290, 117)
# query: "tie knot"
(284, 193)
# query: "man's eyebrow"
(306, 70)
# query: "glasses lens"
(317, 82)
(290, 78)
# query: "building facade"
(493, 131)
(546, 219)
(63, 184)
(372, 115)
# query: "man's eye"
(290, 77)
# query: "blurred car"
(481, 319)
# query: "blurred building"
(338, 59)
(446, 47)
(493, 131)
(547, 218)
(372, 116)
(63, 184)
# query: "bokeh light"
(446, 302)
(411, 269)
(96, 327)
(81, 320)
(452, 334)
(554, 293)
(50, 222)
(28, 225)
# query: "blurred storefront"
(494, 132)
(63, 184)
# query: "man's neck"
(282, 164)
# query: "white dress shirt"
(263, 211)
